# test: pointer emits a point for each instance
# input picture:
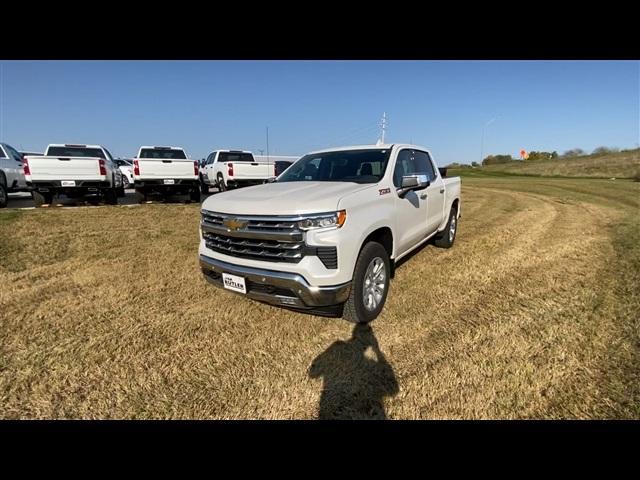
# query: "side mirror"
(413, 182)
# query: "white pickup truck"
(75, 170)
(166, 171)
(234, 168)
(326, 234)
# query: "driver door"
(411, 210)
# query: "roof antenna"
(383, 125)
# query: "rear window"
(74, 152)
(163, 153)
(235, 157)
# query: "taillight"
(136, 168)
(195, 168)
(25, 166)
(103, 169)
(230, 171)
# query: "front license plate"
(68, 183)
(169, 182)
(233, 282)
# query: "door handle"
(442, 190)
(423, 196)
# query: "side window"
(424, 164)
(2, 154)
(210, 159)
(403, 167)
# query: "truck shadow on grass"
(356, 378)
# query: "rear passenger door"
(434, 192)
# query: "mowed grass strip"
(532, 314)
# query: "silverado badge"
(234, 224)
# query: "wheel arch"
(384, 236)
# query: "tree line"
(534, 155)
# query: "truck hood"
(286, 198)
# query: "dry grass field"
(533, 314)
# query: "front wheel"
(370, 284)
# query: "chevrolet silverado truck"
(165, 171)
(325, 236)
(74, 170)
(227, 169)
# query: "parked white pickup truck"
(234, 168)
(74, 170)
(325, 236)
(165, 170)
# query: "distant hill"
(624, 164)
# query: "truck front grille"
(252, 248)
(272, 239)
(266, 238)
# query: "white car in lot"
(126, 168)
(75, 170)
(325, 236)
(165, 171)
(227, 169)
(12, 177)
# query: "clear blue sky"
(204, 105)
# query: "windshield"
(359, 166)
(168, 153)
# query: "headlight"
(324, 220)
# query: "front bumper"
(277, 288)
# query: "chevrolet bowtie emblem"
(234, 224)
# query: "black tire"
(204, 188)
(4, 197)
(447, 237)
(221, 185)
(141, 196)
(194, 196)
(111, 196)
(121, 192)
(354, 308)
(44, 198)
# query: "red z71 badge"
(384, 191)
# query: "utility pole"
(383, 126)
(268, 161)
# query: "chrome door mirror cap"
(413, 182)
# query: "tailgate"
(64, 168)
(253, 170)
(164, 168)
